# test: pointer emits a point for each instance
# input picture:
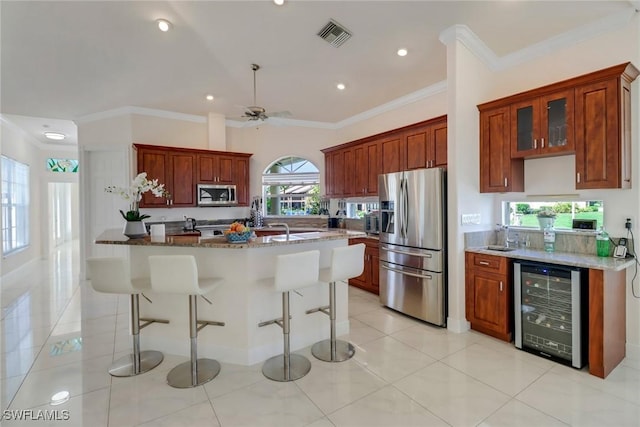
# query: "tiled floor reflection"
(57, 334)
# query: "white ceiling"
(61, 61)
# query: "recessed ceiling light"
(279, 2)
(209, 97)
(163, 25)
(340, 86)
(56, 136)
(59, 398)
(402, 52)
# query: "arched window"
(290, 186)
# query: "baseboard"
(19, 271)
(458, 325)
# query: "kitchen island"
(242, 301)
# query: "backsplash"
(571, 242)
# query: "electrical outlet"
(627, 224)
(467, 219)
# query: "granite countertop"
(115, 237)
(562, 258)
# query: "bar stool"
(178, 274)
(346, 262)
(293, 271)
(111, 275)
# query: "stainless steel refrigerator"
(413, 243)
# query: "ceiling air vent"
(334, 33)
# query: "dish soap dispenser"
(549, 238)
(602, 243)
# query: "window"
(525, 214)
(15, 205)
(62, 165)
(290, 186)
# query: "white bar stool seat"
(178, 274)
(293, 271)
(346, 262)
(112, 276)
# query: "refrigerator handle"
(406, 273)
(401, 209)
(405, 210)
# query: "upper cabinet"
(498, 171)
(352, 169)
(181, 169)
(603, 131)
(588, 116)
(543, 126)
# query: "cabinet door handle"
(578, 177)
(483, 263)
(505, 181)
(501, 286)
(535, 144)
(542, 142)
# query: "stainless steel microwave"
(217, 195)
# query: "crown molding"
(122, 111)
(467, 37)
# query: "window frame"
(15, 184)
(290, 177)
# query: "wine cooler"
(551, 311)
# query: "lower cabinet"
(369, 280)
(489, 295)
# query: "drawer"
(492, 263)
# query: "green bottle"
(602, 243)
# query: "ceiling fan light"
(56, 136)
(163, 25)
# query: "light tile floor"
(57, 334)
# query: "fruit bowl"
(235, 237)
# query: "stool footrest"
(147, 321)
(203, 323)
(277, 321)
(323, 309)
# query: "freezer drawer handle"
(406, 253)
(420, 276)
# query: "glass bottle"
(602, 243)
(549, 238)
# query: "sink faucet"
(507, 240)
(280, 224)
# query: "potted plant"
(134, 227)
(546, 217)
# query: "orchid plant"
(133, 195)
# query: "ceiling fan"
(256, 112)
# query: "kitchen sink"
(283, 238)
(500, 248)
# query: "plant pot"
(545, 222)
(134, 229)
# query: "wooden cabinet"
(369, 280)
(367, 167)
(426, 147)
(499, 173)
(180, 169)
(543, 126)
(176, 170)
(588, 115)
(352, 169)
(488, 295)
(603, 130)
(218, 169)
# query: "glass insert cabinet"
(543, 126)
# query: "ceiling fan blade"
(283, 114)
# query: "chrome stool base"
(124, 367)
(274, 369)
(180, 376)
(322, 350)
